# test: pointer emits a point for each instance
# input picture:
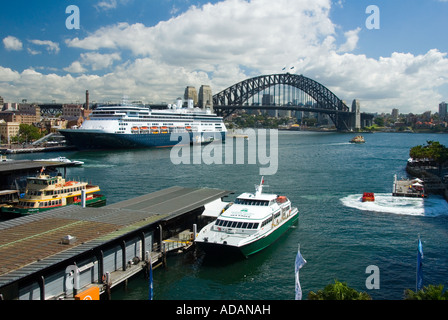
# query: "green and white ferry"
(250, 224)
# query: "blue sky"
(414, 26)
(151, 50)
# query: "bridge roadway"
(281, 107)
(344, 117)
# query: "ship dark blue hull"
(88, 140)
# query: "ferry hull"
(97, 201)
(87, 139)
(222, 249)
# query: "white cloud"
(75, 67)
(254, 34)
(12, 43)
(106, 5)
(351, 40)
(52, 47)
(94, 61)
(33, 52)
(385, 83)
(99, 61)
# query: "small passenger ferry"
(44, 192)
(65, 160)
(358, 139)
(250, 224)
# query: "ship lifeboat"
(154, 130)
(134, 129)
(188, 128)
(164, 129)
(281, 199)
(368, 196)
(144, 128)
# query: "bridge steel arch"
(236, 96)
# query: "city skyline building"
(395, 114)
(357, 113)
(443, 110)
(191, 94)
(205, 98)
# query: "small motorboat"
(368, 196)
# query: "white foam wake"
(384, 202)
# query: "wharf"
(12, 170)
(113, 241)
(403, 188)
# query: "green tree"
(379, 121)
(28, 133)
(338, 291)
(430, 292)
(432, 150)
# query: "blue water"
(324, 176)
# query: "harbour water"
(324, 176)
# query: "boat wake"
(99, 165)
(432, 206)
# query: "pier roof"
(32, 243)
(7, 167)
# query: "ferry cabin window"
(235, 224)
(265, 222)
(34, 193)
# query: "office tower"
(205, 97)
(191, 93)
(443, 110)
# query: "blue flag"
(151, 288)
(300, 262)
(419, 284)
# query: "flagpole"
(150, 285)
(299, 263)
(416, 267)
(419, 275)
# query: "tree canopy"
(433, 151)
(338, 291)
(430, 292)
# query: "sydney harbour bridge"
(282, 92)
(287, 91)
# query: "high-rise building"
(205, 98)
(443, 110)
(191, 93)
(267, 99)
(395, 114)
(356, 114)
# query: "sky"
(392, 57)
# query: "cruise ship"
(132, 126)
(250, 224)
